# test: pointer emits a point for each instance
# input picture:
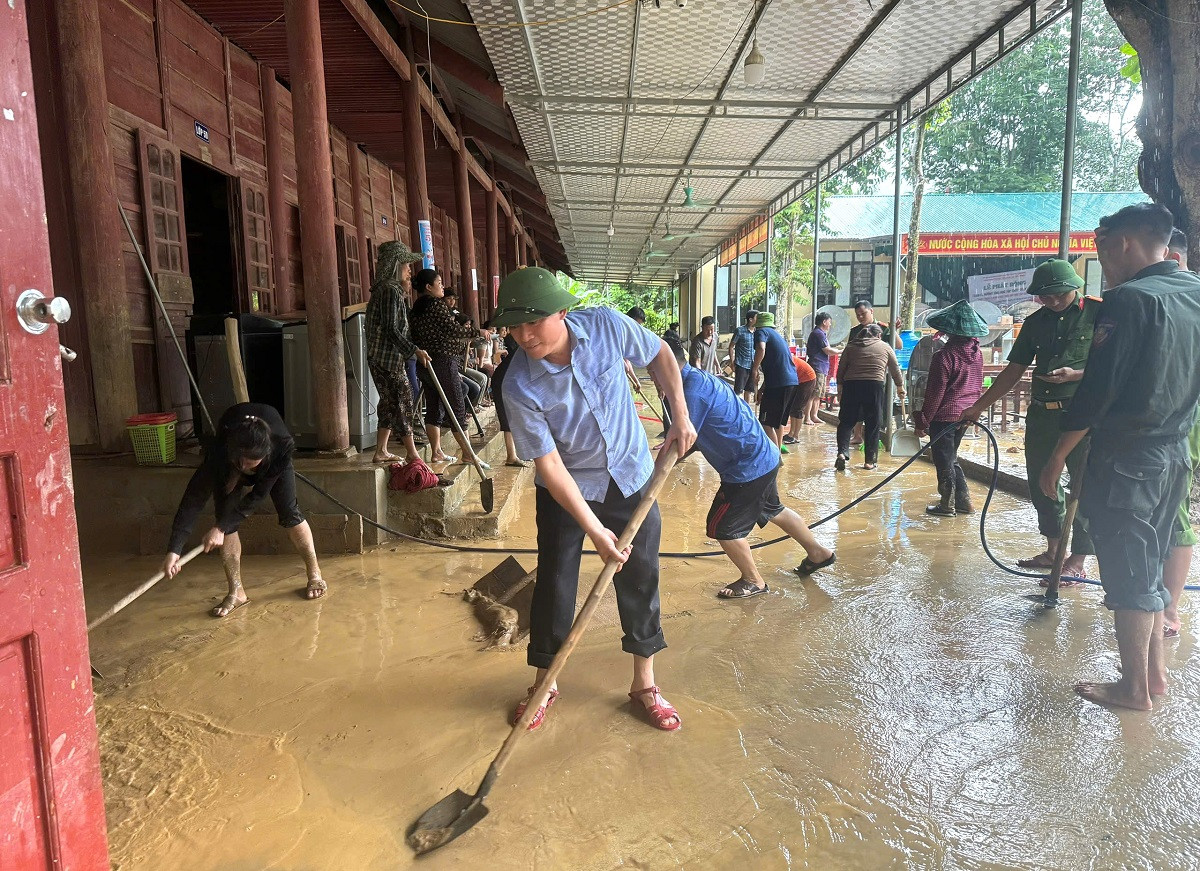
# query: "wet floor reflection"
(906, 709)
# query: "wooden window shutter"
(258, 294)
(349, 271)
(162, 204)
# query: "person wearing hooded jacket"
(863, 370)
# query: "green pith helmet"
(530, 294)
(765, 319)
(959, 320)
(1055, 276)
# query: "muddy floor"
(905, 709)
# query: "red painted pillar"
(318, 250)
(416, 184)
(99, 234)
(493, 244)
(360, 228)
(468, 276)
(285, 300)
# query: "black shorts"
(738, 507)
(776, 406)
(741, 380)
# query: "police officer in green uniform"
(1137, 401)
(1056, 339)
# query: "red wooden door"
(51, 808)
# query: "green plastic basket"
(153, 438)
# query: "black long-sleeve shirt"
(216, 470)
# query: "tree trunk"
(908, 295)
(1166, 35)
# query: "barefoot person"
(1175, 571)
(1137, 400)
(571, 412)
(731, 439)
(389, 347)
(1055, 340)
(252, 448)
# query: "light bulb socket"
(755, 67)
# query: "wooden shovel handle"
(453, 418)
(662, 469)
(136, 594)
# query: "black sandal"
(742, 589)
(808, 567)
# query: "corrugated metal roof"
(871, 217)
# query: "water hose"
(714, 553)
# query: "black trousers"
(860, 400)
(560, 545)
(944, 452)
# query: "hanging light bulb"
(755, 67)
(611, 229)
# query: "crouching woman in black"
(252, 449)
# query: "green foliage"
(1132, 69)
(654, 300)
(1007, 128)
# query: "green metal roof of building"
(863, 217)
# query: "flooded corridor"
(906, 708)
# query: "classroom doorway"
(208, 217)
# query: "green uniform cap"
(398, 252)
(1055, 276)
(959, 320)
(765, 319)
(528, 295)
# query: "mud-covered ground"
(905, 709)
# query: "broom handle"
(136, 594)
(662, 469)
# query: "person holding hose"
(568, 403)
(1055, 340)
(955, 381)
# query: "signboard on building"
(1000, 244)
(426, 231)
(1000, 288)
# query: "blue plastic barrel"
(908, 341)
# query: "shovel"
(486, 492)
(904, 440)
(458, 811)
(1050, 598)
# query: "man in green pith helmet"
(1056, 339)
(569, 409)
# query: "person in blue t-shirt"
(741, 351)
(735, 445)
(771, 355)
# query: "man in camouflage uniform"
(1137, 401)
(1055, 339)
(389, 345)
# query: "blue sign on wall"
(201, 131)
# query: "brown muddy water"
(905, 709)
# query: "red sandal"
(660, 713)
(540, 716)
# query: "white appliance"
(361, 395)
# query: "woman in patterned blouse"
(435, 329)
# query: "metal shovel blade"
(487, 494)
(905, 443)
(445, 821)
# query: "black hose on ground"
(713, 553)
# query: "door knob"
(37, 313)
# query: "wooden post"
(360, 228)
(468, 274)
(285, 300)
(98, 240)
(416, 185)
(492, 217)
(318, 250)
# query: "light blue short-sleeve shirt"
(584, 409)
